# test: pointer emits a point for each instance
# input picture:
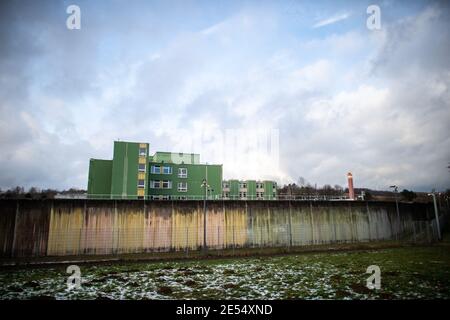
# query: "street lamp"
(206, 186)
(436, 214)
(395, 188)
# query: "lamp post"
(395, 188)
(206, 186)
(436, 214)
(439, 198)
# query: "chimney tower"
(351, 192)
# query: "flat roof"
(167, 152)
(190, 164)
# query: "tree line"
(36, 193)
(307, 189)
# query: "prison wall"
(60, 227)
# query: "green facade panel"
(234, 189)
(270, 190)
(251, 189)
(124, 183)
(99, 180)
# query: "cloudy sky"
(271, 89)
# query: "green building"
(180, 176)
(249, 190)
(133, 174)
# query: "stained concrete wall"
(76, 227)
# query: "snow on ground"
(406, 273)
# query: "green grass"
(406, 273)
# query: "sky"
(270, 89)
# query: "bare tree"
(301, 181)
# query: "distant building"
(134, 174)
(249, 190)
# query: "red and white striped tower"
(351, 192)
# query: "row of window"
(169, 197)
(161, 169)
(226, 195)
(156, 169)
(160, 184)
(243, 185)
(182, 172)
(141, 170)
(167, 184)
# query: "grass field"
(406, 273)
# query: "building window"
(142, 167)
(242, 195)
(167, 184)
(182, 172)
(259, 185)
(182, 186)
(242, 185)
(156, 169)
(142, 151)
(226, 195)
(167, 170)
(155, 184)
(225, 185)
(182, 198)
(141, 183)
(259, 195)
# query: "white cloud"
(376, 104)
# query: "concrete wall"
(75, 227)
